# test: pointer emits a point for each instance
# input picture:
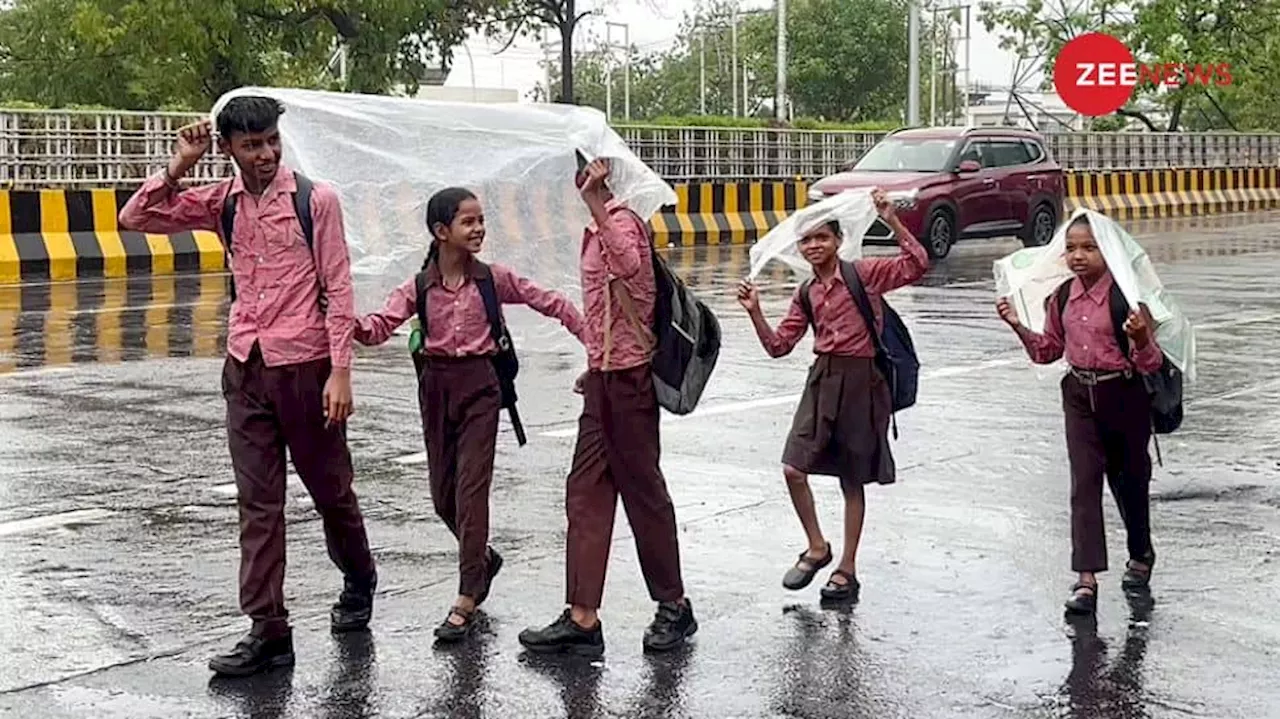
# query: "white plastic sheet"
(853, 209)
(1029, 276)
(386, 156)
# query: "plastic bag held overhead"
(386, 156)
(1029, 276)
(853, 209)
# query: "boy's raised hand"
(748, 296)
(1007, 313)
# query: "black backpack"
(506, 364)
(685, 336)
(1164, 386)
(301, 207)
(895, 351)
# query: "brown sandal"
(450, 632)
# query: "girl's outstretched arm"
(376, 328)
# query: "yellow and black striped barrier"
(1153, 194)
(66, 235)
(69, 234)
(726, 213)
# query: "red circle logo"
(1095, 74)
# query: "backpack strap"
(420, 301)
(302, 208)
(1120, 315)
(853, 281)
(492, 307)
(806, 303)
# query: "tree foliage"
(1242, 33)
(148, 54)
(847, 62)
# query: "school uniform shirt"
(277, 277)
(1089, 342)
(621, 251)
(838, 325)
(457, 325)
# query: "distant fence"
(64, 149)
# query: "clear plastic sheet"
(1029, 276)
(386, 156)
(853, 209)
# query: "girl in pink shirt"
(459, 389)
(841, 427)
(1107, 407)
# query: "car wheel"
(1040, 230)
(941, 234)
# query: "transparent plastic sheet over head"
(386, 156)
(1029, 276)
(853, 209)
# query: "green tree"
(145, 54)
(1242, 34)
(841, 67)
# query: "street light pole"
(702, 70)
(734, 82)
(780, 97)
(626, 61)
(913, 63)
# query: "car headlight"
(817, 195)
(903, 198)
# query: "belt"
(1091, 377)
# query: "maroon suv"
(952, 183)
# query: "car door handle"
(989, 181)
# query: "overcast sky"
(653, 25)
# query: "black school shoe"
(564, 636)
(834, 591)
(354, 608)
(253, 654)
(672, 625)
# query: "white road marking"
(51, 521)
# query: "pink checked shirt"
(620, 250)
(840, 327)
(277, 277)
(1090, 342)
(457, 325)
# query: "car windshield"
(895, 154)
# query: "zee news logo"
(1170, 74)
(1096, 74)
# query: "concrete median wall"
(67, 234)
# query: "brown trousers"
(617, 454)
(459, 399)
(1108, 429)
(270, 409)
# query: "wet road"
(117, 526)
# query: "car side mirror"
(969, 166)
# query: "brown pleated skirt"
(841, 428)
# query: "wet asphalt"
(118, 525)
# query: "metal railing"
(109, 149)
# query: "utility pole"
(780, 96)
(702, 70)
(734, 82)
(913, 63)
(933, 66)
(626, 62)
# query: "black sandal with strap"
(1135, 578)
(797, 577)
(1081, 603)
(836, 592)
(450, 632)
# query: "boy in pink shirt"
(287, 376)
